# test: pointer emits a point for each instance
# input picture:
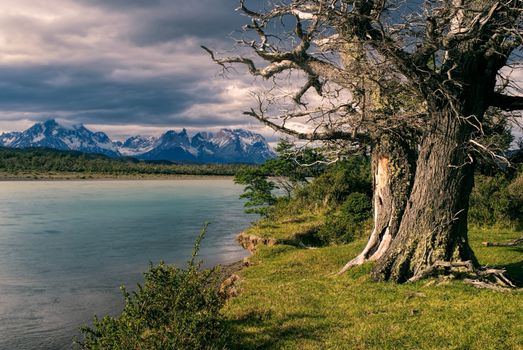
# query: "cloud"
(118, 63)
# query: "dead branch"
(512, 243)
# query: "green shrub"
(331, 188)
(346, 223)
(258, 190)
(497, 201)
(174, 309)
(515, 196)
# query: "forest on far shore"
(44, 161)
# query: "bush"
(343, 225)
(515, 195)
(174, 309)
(331, 188)
(258, 190)
(497, 201)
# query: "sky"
(125, 67)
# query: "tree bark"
(434, 225)
(393, 164)
(433, 230)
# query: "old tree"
(417, 82)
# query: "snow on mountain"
(50, 134)
(136, 145)
(8, 138)
(226, 146)
(241, 146)
(172, 146)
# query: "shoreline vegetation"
(289, 295)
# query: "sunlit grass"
(292, 299)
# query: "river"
(67, 246)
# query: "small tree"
(258, 190)
(285, 173)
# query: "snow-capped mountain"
(226, 146)
(240, 145)
(50, 134)
(8, 138)
(136, 145)
(172, 146)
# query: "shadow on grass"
(308, 238)
(515, 270)
(268, 332)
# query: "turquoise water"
(67, 246)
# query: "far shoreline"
(59, 176)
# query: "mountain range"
(225, 146)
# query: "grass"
(291, 299)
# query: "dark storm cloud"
(204, 19)
(170, 20)
(89, 95)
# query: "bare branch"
(314, 136)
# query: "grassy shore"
(291, 299)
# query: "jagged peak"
(49, 122)
(201, 135)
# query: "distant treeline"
(42, 160)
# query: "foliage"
(293, 166)
(340, 180)
(284, 174)
(258, 190)
(497, 201)
(343, 190)
(346, 223)
(174, 309)
(15, 161)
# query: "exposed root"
(482, 277)
(376, 247)
(513, 243)
(359, 260)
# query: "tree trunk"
(434, 225)
(393, 163)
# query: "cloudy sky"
(121, 66)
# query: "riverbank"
(290, 298)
